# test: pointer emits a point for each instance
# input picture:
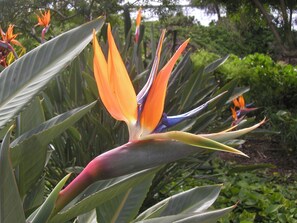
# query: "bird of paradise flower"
(149, 146)
(239, 110)
(44, 21)
(8, 39)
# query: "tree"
(65, 13)
(277, 15)
(211, 7)
(285, 9)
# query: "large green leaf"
(4, 131)
(90, 217)
(28, 119)
(100, 192)
(195, 200)
(35, 197)
(11, 209)
(204, 217)
(29, 151)
(44, 212)
(125, 207)
(214, 65)
(44, 133)
(23, 79)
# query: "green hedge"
(272, 84)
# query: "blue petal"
(169, 121)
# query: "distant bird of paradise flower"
(44, 21)
(8, 39)
(239, 110)
(137, 29)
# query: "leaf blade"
(11, 208)
(23, 79)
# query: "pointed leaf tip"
(194, 140)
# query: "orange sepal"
(241, 101)
(102, 80)
(154, 104)
(138, 18)
(236, 103)
(120, 81)
(234, 115)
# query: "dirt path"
(265, 151)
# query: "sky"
(199, 14)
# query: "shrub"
(272, 84)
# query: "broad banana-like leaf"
(29, 151)
(124, 207)
(194, 200)
(190, 88)
(214, 65)
(231, 85)
(91, 84)
(44, 133)
(90, 217)
(45, 210)
(29, 119)
(24, 78)
(11, 208)
(35, 197)
(237, 92)
(204, 217)
(100, 192)
(4, 131)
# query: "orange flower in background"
(234, 115)
(239, 102)
(137, 30)
(9, 36)
(44, 19)
(7, 39)
(239, 110)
